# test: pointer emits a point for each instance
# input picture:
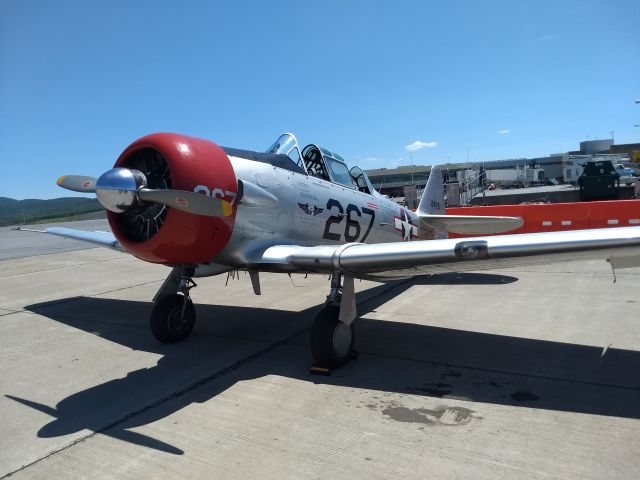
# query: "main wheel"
(167, 323)
(331, 340)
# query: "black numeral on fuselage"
(328, 234)
(352, 228)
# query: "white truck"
(627, 175)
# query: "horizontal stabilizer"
(470, 224)
(432, 216)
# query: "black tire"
(331, 340)
(166, 322)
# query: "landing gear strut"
(173, 315)
(332, 334)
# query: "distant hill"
(15, 212)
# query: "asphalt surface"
(521, 373)
(14, 244)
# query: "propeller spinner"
(119, 189)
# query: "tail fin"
(432, 201)
(432, 214)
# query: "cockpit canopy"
(322, 163)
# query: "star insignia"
(406, 228)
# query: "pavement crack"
(189, 388)
(505, 372)
(60, 267)
(62, 301)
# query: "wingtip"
(60, 180)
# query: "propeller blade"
(189, 202)
(78, 183)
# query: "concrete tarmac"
(520, 373)
(21, 244)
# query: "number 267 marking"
(352, 227)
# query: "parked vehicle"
(627, 175)
(599, 181)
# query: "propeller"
(189, 202)
(119, 189)
(78, 183)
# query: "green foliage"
(14, 212)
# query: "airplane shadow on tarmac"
(232, 344)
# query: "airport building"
(550, 169)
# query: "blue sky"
(80, 80)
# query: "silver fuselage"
(347, 215)
(285, 223)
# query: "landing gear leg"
(332, 334)
(173, 315)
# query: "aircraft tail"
(432, 201)
(432, 214)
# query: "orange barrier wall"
(551, 217)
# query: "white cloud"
(370, 160)
(418, 145)
(503, 132)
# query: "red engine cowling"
(159, 234)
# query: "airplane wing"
(619, 246)
(101, 239)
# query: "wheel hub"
(176, 321)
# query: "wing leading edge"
(620, 246)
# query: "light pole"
(637, 102)
(411, 168)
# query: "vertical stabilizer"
(432, 201)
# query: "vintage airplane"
(204, 210)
